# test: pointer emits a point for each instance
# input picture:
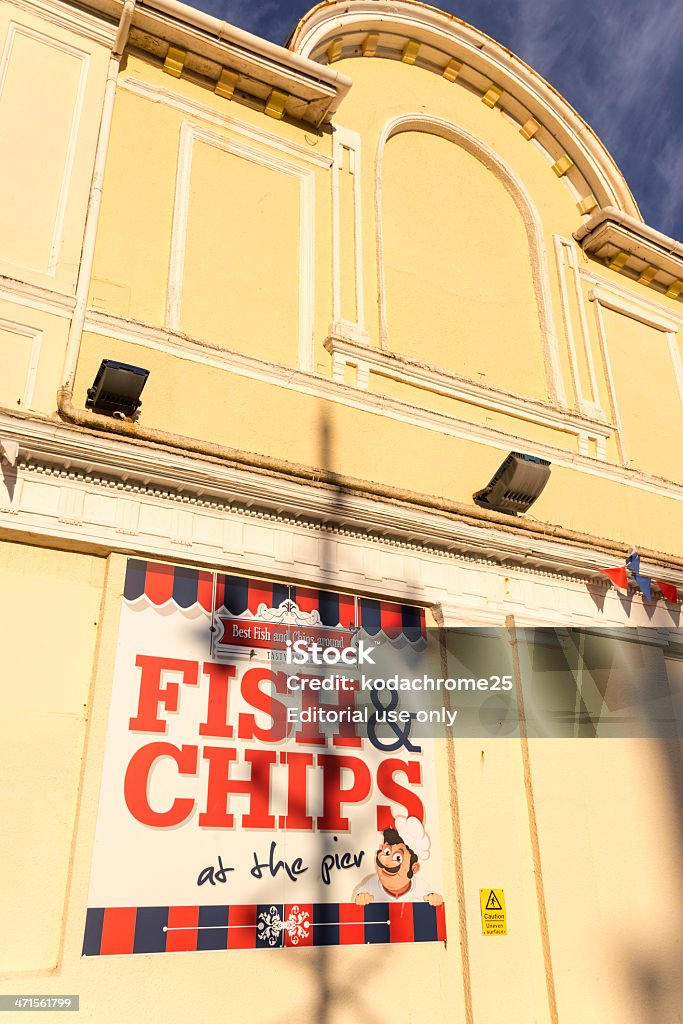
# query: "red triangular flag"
(669, 590)
(618, 577)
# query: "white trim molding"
(632, 306)
(366, 359)
(668, 317)
(33, 296)
(567, 267)
(203, 112)
(626, 304)
(72, 19)
(320, 386)
(346, 153)
(607, 365)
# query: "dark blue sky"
(618, 62)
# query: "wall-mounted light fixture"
(515, 485)
(116, 389)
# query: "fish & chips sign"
(243, 802)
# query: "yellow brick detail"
(562, 165)
(175, 61)
(618, 261)
(275, 107)
(370, 44)
(491, 97)
(410, 52)
(674, 290)
(226, 84)
(452, 70)
(334, 51)
(587, 204)
(648, 275)
(529, 128)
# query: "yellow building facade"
(360, 269)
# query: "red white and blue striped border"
(119, 931)
(239, 596)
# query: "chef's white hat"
(411, 831)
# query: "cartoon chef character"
(402, 851)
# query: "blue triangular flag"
(643, 582)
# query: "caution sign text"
(493, 914)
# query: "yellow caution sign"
(493, 914)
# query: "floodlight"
(515, 485)
(116, 388)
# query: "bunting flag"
(669, 591)
(644, 583)
(619, 577)
(633, 562)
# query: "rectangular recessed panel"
(650, 413)
(16, 349)
(40, 98)
(243, 241)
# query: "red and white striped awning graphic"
(196, 590)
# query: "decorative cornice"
(78, 511)
(238, 64)
(456, 51)
(153, 471)
(635, 250)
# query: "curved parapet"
(424, 36)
